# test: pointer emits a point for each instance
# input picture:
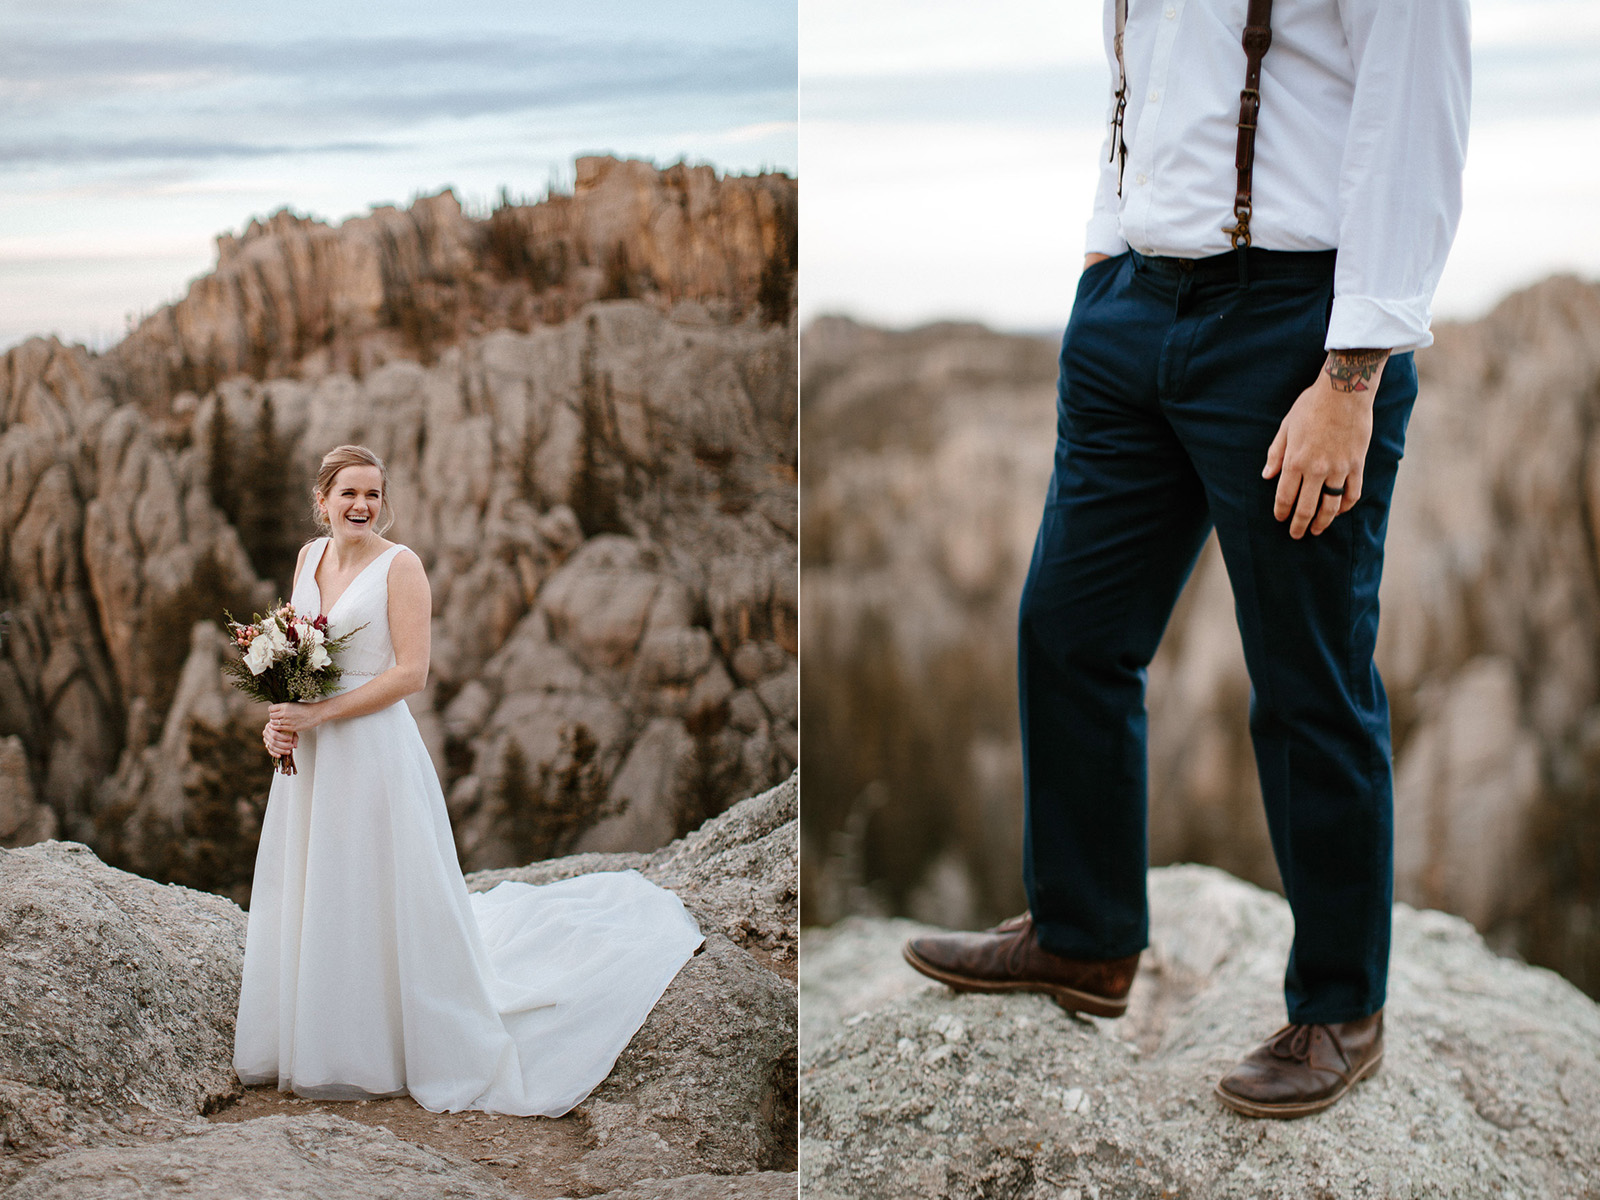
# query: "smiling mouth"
(358, 520)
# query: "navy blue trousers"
(1174, 379)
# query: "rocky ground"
(117, 998)
(927, 457)
(1488, 1088)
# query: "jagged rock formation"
(602, 489)
(117, 1003)
(927, 457)
(1490, 1079)
(293, 295)
(23, 820)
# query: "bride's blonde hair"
(333, 462)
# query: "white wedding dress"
(370, 971)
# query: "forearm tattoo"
(1352, 370)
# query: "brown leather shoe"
(1303, 1069)
(1008, 958)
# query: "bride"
(369, 970)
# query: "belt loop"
(1244, 265)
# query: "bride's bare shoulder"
(407, 579)
(406, 560)
(300, 562)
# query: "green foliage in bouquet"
(297, 671)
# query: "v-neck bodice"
(364, 603)
(315, 564)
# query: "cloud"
(37, 70)
(71, 150)
(78, 100)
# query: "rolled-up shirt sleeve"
(1105, 225)
(1400, 181)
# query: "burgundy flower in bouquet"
(286, 657)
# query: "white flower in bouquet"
(260, 655)
(286, 657)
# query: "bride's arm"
(410, 614)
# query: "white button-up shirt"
(1360, 145)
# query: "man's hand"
(1321, 447)
(1089, 260)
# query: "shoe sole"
(1252, 1108)
(1068, 998)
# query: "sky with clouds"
(950, 152)
(131, 134)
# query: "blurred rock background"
(588, 409)
(926, 458)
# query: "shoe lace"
(1293, 1042)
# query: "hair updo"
(333, 462)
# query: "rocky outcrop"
(119, 994)
(927, 458)
(293, 295)
(117, 1003)
(603, 495)
(1489, 1082)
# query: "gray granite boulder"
(117, 1002)
(1490, 1085)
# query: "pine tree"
(266, 523)
(594, 490)
(544, 817)
(220, 481)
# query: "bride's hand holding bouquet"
(287, 657)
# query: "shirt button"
(1171, 12)
(1141, 179)
(1155, 96)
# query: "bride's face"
(354, 502)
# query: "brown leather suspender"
(1119, 148)
(1257, 37)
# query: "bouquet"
(287, 657)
